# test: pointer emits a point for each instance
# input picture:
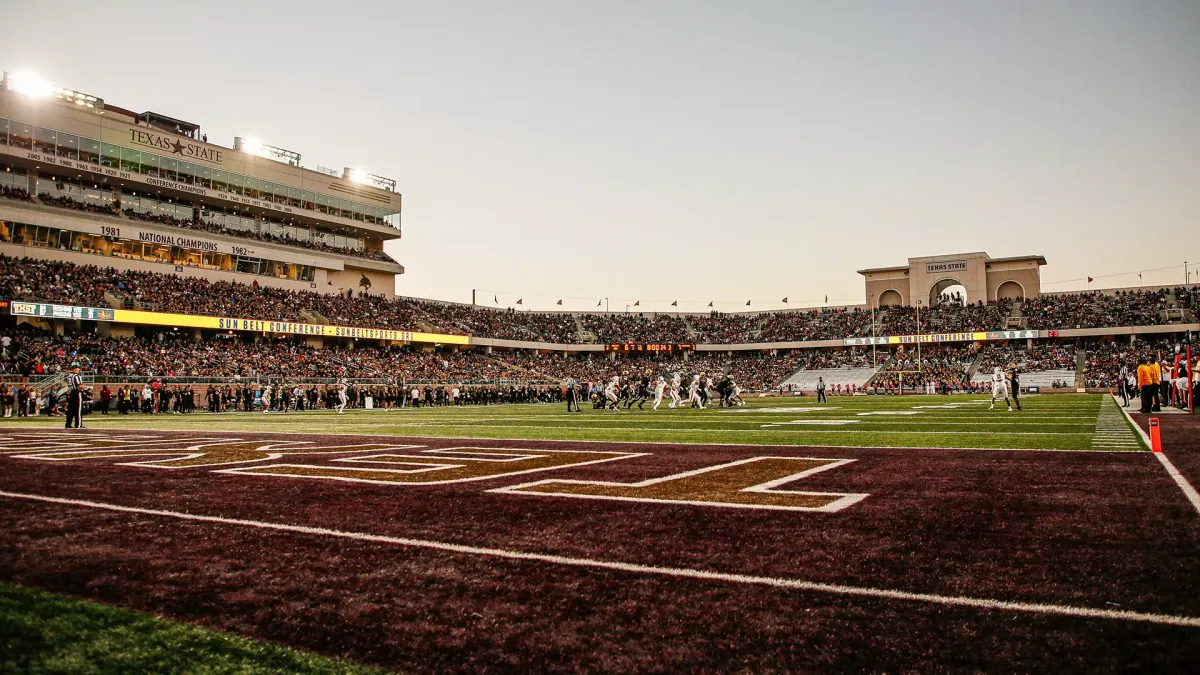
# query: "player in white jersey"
(266, 398)
(340, 388)
(735, 398)
(612, 393)
(660, 383)
(694, 393)
(999, 389)
(676, 383)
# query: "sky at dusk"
(692, 150)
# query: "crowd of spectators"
(15, 193)
(946, 365)
(816, 324)
(504, 324)
(174, 355)
(1035, 359)
(718, 328)
(64, 202)
(948, 316)
(638, 328)
(115, 209)
(1103, 360)
(157, 218)
(66, 283)
(1095, 309)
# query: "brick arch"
(1013, 290)
(890, 297)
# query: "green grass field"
(1050, 422)
(48, 633)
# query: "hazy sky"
(691, 150)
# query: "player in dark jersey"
(1014, 384)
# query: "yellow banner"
(288, 327)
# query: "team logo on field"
(752, 483)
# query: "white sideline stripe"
(1188, 490)
(1180, 480)
(634, 568)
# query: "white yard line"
(651, 570)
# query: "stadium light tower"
(37, 87)
(363, 177)
(28, 84)
(252, 146)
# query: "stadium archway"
(1010, 290)
(890, 297)
(948, 290)
(976, 277)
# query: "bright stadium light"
(35, 86)
(253, 146)
(28, 84)
(363, 177)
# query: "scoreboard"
(652, 347)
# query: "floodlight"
(362, 177)
(251, 145)
(29, 84)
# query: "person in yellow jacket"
(1147, 384)
(1157, 365)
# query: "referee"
(572, 395)
(74, 398)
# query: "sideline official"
(74, 398)
(572, 395)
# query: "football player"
(999, 389)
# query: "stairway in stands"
(585, 336)
(975, 365)
(1080, 366)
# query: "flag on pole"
(675, 303)
(785, 301)
(560, 301)
(496, 299)
(519, 301)
(639, 302)
(598, 302)
(747, 303)
(827, 299)
(710, 304)
(1090, 279)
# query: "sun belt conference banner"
(144, 318)
(977, 336)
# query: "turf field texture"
(47, 633)
(1067, 422)
(444, 554)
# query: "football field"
(1047, 422)
(871, 533)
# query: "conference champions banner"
(143, 318)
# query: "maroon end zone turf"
(1099, 530)
(1180, 439)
